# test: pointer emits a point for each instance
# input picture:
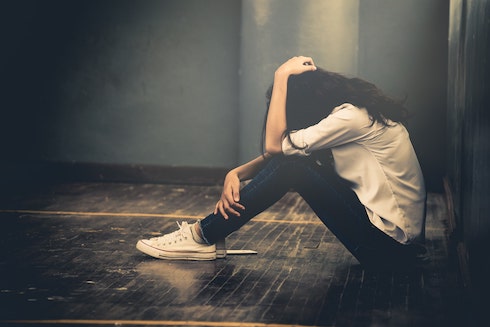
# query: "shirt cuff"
(297, 138)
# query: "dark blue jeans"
(331, 199)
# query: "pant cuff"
(202, 233)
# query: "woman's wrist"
(281, 74)
(280, 84)
(233, 173)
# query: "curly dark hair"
(313, 95)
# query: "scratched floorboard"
(68, 252)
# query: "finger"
(232, 208)
(236, 195)
(222, 210)
(308, 61)
(232, 211)
(227, 194)
(238, 206)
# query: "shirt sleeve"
(340, 127)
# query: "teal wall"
(182, 82)
(124, 82)
(403, 50)
(276, 30)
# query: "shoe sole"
(175, 255)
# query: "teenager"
(341, 144)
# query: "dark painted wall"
(403, 50)
(469, 138)
(182, 82)
(126, 82)
(276, 30)
(401, 46)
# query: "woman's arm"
(276, 118)
(274, 133)
(251, 168)
(230, 196)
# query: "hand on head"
(296, 66)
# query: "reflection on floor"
(68, 257)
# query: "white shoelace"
(179, 235)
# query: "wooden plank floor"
(68, 257)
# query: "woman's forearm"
(251, 168)
(276, 124)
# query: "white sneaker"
(178, 245)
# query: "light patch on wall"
(261, 12)
(330, 29)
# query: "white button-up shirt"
(378, 160)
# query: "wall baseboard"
(37, 172)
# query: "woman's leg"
(328, 195)
(265, 189)
(270, 184)
(338, 207)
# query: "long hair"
(313, 95)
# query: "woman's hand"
(276, 122)
(229, 204)
(296, 66)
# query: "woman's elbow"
(273, 148)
